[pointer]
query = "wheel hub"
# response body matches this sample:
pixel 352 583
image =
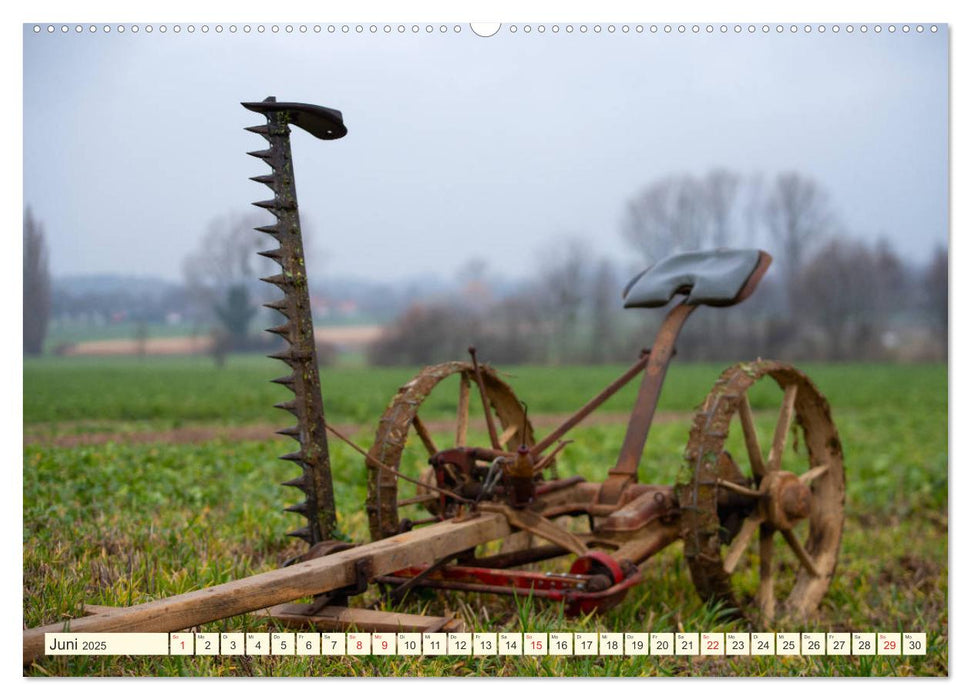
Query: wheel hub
pixel 785 500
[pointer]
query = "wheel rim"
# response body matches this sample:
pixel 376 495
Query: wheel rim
pixel 793 501
pixel 402 433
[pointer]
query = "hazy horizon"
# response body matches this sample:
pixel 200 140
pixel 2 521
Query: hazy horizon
pixel 461 147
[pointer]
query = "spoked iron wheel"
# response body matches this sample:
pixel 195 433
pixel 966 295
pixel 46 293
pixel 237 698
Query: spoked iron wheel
pixel 762 513
pixel 405 440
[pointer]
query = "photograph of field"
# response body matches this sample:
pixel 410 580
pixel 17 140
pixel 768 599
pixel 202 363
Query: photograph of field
pixel 148 514
pixel 479 213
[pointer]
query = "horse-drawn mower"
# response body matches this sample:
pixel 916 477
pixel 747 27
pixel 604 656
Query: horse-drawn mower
pixel 495 518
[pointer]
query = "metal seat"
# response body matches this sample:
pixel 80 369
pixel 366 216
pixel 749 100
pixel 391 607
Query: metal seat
pixel 720 277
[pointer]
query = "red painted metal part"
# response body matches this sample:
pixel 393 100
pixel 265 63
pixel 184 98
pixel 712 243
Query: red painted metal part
pixel 593 570
pixel 589 563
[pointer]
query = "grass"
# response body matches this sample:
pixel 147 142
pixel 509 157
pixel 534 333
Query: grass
pixel 191 389
pixel 118 524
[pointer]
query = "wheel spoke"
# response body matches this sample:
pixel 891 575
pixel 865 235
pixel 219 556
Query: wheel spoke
pixel 507 436
pixel 486 408
pixel 801 552
pixel 418 499
pixel 744 536
pixel 426 438
pixel 751 437
pixel 782 428
pixel 462 419
pixel 813 474
pixel 405 422
pixel 738 488
pixel 766 594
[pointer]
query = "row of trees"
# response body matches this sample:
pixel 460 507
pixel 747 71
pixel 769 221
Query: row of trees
pixel 828 296
pixel 791 216
pixel 219 278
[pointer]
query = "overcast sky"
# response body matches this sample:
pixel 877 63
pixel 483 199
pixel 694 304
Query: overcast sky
pixel 461 146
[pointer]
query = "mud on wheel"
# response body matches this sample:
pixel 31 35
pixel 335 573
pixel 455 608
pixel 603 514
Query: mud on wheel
pixel 790 496
pixel 392 501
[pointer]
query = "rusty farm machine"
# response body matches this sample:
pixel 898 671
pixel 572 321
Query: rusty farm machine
pixel 430 523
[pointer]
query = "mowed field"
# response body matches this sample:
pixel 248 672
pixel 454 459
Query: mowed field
pixel 146 478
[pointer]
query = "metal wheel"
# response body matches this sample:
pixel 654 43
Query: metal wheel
pixel 405 440
pixel 791 496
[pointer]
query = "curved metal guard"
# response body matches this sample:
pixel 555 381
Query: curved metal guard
pixel 322 122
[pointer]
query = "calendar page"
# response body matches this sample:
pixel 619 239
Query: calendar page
pixel 603 348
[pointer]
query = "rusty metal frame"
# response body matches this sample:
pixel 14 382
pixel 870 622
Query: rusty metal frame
pixel 633 521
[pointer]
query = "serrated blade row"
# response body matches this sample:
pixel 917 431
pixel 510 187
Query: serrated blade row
pixel 300 352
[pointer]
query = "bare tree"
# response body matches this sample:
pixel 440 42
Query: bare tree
pixel 564 278
pixel 37 286
pixel 797 215
pixel 227 252
pixel 684 213
pixel 891 280
pixel 669 216
pixel 828 293
pixel 753 208
pixel 220 272
pixel 236 313
pixel 514 330
pixel 720 188
pixel 604 304
pixel 849 290
pixel 935 292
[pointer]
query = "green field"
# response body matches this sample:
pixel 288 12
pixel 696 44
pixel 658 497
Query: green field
pixel 120 523
pixel 166 392
pixel 65 332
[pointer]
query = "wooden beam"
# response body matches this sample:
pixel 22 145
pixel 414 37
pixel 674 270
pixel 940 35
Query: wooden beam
pixel 415 548
pixel 337 618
